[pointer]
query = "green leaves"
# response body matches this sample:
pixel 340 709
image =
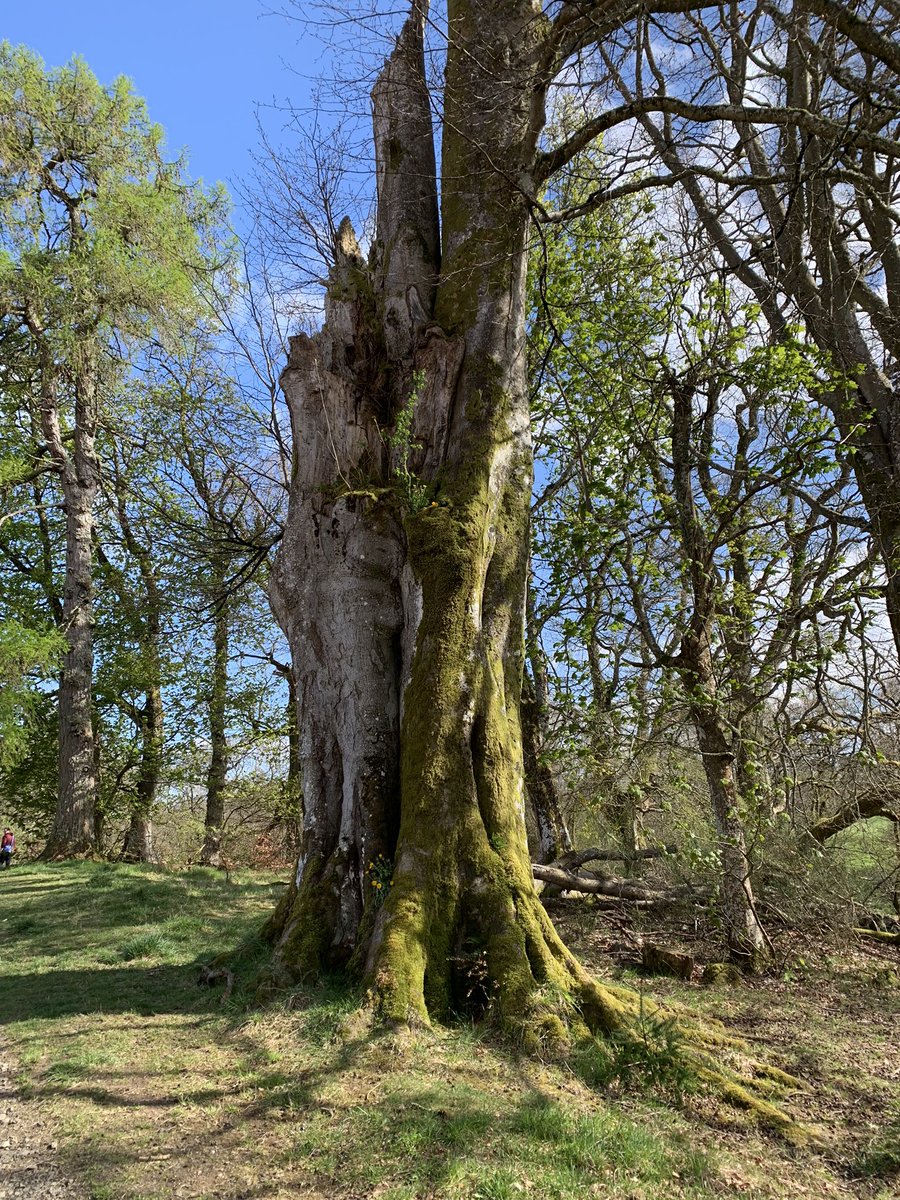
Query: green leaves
pixel 27 655
pixel 102 236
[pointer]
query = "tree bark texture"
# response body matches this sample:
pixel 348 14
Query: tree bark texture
pixel 73 829
pixel 400 581
pixel 139 839
pixel 553 840
pixel 743 930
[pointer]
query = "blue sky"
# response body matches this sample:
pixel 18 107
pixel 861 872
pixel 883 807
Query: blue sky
pixel 201 65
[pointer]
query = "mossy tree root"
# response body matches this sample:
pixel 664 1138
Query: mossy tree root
pixel 544 1000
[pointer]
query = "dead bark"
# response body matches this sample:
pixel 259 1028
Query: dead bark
pixel 604 885
pixel 401 577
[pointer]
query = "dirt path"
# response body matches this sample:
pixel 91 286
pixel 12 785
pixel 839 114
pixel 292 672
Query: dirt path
pixel 30 1167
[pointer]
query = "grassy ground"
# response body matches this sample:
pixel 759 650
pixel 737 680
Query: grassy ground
pixel 158 1090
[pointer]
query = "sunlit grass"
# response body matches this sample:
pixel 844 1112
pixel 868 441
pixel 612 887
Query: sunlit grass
pixel 136 1065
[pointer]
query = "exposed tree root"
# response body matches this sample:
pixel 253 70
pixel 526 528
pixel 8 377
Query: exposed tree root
pixel 545 1000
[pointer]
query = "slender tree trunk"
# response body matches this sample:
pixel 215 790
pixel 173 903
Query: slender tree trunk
pixel 139 839
pixel 744 934
pixel 73 829
pixel 143 609
pixel 632 813
pixel 746 940
pixel 553 840
pixel 210 854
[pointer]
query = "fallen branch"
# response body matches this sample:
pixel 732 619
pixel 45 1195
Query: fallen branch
pixel 577 858
pixel 606 885
pixel 872 804
pixel 879 935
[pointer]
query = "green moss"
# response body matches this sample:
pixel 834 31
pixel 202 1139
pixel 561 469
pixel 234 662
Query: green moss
pixel 308 928
pixel 763 1111
pixel 721 973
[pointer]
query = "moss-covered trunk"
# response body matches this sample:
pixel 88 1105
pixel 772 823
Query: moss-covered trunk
pixel 401 579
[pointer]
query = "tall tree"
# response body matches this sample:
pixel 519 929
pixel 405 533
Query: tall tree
pixel 781 122
pixel 102 241
pixel 400 581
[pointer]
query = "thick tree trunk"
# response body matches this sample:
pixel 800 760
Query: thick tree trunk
pixel 400 581
pixel 73 829
pixel 210 853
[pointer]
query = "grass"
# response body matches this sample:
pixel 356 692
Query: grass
pixel 136 1067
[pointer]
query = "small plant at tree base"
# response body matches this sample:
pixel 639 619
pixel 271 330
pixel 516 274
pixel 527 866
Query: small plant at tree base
pixel 380 873
pixel 413 491
pixel 652 1053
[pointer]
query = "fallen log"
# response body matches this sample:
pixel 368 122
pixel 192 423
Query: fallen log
pixel 879 935
pixel 606 885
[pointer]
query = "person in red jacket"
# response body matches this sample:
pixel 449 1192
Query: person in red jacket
pixel 7 847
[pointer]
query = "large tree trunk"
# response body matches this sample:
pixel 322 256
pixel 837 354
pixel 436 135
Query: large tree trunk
pixel 73 829
pixel 400 581
pixel 210 853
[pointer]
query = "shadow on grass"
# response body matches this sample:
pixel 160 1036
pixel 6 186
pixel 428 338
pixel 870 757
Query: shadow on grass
pixel 351 1124
pixel 338 1111
pixel 146 990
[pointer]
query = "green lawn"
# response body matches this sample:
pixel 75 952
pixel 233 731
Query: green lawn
pixel 158 1090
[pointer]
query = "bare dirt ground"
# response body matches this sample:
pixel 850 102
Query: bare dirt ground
pixel 29 1166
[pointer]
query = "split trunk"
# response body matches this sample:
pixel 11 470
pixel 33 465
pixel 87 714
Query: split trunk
pixel 400 581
